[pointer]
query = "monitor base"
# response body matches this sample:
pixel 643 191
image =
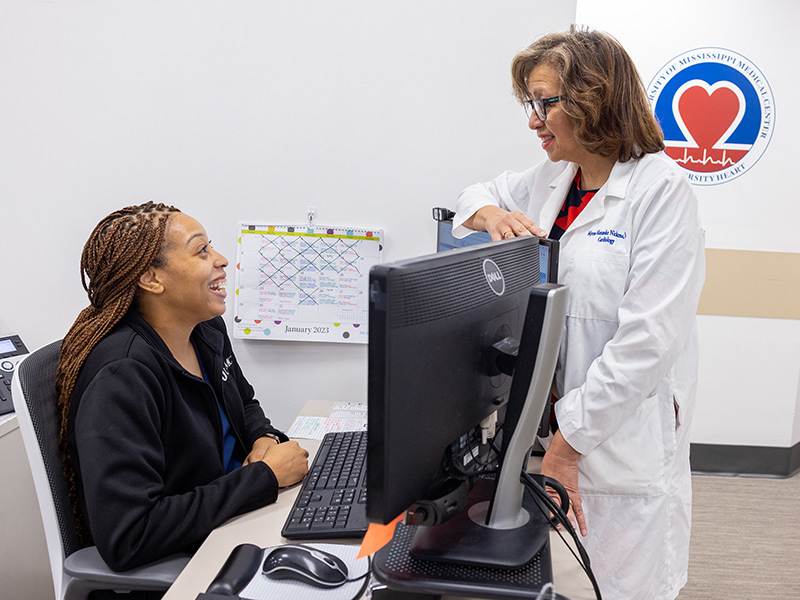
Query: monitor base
pixel 394 567
pixel 463 541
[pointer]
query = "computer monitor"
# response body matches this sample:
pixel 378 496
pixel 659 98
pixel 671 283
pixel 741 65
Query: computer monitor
pixel 445 240
pixel 446 333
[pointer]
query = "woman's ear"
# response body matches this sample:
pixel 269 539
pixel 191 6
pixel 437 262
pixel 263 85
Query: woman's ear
pixel 149 281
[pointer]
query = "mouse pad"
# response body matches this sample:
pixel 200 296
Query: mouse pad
pixel 262 587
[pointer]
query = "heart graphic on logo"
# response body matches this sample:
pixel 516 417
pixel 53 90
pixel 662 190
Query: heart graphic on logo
pixel 708 114
pixel 716 111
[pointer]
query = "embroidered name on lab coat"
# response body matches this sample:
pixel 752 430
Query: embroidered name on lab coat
pixel 607 236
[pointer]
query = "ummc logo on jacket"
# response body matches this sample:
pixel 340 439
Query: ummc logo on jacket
pixel 225 366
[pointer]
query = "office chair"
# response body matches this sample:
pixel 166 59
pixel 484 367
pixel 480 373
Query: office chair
pixel 76 570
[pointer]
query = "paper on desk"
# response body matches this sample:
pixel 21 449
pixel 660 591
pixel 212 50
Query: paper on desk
pixel 349 410
pixel 345 416
pixel 262 587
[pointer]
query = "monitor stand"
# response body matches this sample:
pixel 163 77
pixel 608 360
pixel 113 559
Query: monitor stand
pixel 502 525
pixel 464 540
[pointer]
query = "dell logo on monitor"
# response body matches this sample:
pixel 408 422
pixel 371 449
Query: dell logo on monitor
pixel 494 277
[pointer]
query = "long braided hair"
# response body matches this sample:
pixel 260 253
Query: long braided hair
pixel 120 249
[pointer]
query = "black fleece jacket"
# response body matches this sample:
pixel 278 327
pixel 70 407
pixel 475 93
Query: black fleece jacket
pixel 145 437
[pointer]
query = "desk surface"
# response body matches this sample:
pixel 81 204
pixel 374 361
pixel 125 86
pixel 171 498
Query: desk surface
pixel 262 527
pixel 8 423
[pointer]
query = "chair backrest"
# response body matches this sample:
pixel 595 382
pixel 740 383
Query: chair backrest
pixel 37 414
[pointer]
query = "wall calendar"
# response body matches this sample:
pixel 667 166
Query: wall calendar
pixel 304 282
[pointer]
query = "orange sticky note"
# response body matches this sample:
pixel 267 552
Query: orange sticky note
pixel 377 537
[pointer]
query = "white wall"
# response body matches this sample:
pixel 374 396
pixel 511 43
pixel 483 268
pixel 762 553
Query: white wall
pixel 749 387
pixel 373 112
pixel 748 382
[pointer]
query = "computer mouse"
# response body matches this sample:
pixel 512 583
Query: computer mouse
pixel 303 563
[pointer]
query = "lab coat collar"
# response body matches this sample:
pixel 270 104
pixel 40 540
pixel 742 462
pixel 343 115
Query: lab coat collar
pixel 559 187
pixel 615 187
pixel 621 173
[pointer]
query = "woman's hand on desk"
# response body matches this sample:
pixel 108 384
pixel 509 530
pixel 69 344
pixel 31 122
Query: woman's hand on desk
pixel 288 461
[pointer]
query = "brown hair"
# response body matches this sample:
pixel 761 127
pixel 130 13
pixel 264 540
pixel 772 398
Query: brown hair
pixel 603 92
pixel 119 250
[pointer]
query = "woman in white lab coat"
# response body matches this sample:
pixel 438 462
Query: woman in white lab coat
pixel 632 254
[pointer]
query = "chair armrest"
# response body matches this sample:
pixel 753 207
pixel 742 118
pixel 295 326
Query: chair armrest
pixel 87 564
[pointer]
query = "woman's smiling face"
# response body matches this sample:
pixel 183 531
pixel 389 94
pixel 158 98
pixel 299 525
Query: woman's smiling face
pixel 193 272
pixel 557 132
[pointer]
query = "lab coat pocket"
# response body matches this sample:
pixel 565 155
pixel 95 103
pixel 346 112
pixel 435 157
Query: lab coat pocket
pixel 600 278
pixel 631 461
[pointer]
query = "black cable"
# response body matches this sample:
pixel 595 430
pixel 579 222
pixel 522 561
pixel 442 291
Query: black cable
pixel 561 517
pixel 365 577
pixel 539 492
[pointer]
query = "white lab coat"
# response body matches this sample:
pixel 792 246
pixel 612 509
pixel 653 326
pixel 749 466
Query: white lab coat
pixel 634 263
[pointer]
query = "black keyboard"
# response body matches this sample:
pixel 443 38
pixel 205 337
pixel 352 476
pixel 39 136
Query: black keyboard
pixel 332 501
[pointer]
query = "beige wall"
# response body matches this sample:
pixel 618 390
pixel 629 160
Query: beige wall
pixel 742 283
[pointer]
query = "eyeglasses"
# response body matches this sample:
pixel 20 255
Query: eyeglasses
pixel 539 106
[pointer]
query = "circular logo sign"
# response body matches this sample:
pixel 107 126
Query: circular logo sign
pixel 716 111
pixel 494 277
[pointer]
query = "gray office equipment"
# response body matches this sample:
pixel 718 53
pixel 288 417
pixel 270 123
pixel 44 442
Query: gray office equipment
pixel 12 350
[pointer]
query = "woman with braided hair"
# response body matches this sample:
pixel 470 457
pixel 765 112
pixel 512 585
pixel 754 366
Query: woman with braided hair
pixel 161 435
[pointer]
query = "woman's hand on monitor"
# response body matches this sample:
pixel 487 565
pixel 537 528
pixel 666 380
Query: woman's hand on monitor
pixel 502 224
